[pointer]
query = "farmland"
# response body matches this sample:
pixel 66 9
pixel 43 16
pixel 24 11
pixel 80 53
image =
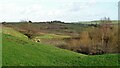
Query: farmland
pixel 58 44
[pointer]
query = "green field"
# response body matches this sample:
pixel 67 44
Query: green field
pixel 50 36
pixel 18 50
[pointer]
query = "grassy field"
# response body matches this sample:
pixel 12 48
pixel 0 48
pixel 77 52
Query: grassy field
pixel 50 36
pixel 18 50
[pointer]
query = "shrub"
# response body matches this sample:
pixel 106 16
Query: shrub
pixel 28 30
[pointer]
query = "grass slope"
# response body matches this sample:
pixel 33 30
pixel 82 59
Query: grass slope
pixel 23 52
pixel 11 31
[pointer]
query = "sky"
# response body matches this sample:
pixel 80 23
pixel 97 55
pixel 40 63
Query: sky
pixel 63 10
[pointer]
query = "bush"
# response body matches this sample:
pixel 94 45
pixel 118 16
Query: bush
pixel 28 30
pixel 95 41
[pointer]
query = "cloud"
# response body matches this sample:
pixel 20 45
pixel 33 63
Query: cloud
pixel 65 10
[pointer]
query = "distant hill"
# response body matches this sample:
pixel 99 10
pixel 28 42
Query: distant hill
pixel 95 22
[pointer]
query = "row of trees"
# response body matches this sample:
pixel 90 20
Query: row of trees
pixel 29 21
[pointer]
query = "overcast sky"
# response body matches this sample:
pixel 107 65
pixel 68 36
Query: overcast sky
pixel 63 10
